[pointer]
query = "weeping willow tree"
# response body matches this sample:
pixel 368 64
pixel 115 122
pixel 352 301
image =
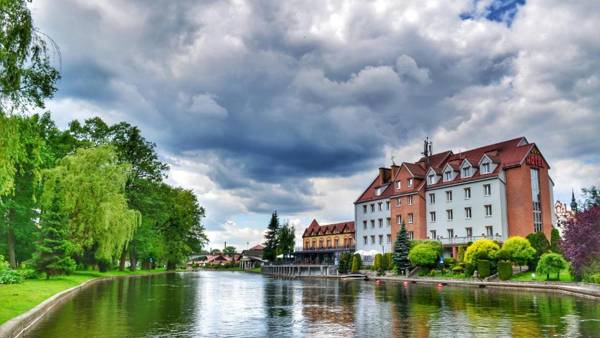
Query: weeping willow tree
pixel 89 186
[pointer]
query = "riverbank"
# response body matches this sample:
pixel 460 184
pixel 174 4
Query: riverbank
pixel 20 298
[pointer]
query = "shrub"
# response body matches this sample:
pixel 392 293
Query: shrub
pixel 29 273
pixel 356 263
pixel 424 271
pixel 517 250
pixel 8 276
pixel 469 270
pixel 3 264
pixel 541 245
pixel 461 253
pixel 458 270
pixel 345 263
pixel 551 263
pixel 484 268
pixel 592 278
pixel 449 262
pixel 504 270
pixel 424 254
pixel 388 261
pixel 432 273
pixel 481 249
pixel 377 262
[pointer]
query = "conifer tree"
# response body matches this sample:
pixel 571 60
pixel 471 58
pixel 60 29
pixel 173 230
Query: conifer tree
pixel 271 238
pixel 401 249
pixel 52 256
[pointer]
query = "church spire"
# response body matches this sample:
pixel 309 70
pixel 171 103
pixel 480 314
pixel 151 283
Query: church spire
pixel 573 202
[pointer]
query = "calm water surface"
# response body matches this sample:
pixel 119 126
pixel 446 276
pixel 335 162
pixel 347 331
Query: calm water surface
pixel 232 304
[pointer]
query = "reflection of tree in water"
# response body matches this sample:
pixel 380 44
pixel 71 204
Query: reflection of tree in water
pixel 330 301
pixel 279 297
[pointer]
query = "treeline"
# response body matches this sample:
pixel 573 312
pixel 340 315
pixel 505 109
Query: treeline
pixel 92 195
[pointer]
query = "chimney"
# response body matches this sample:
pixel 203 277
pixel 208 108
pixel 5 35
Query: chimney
pixel 384 175
pixel 395 169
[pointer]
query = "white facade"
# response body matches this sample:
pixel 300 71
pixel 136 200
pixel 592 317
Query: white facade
pixel 468 216
pixel 373 226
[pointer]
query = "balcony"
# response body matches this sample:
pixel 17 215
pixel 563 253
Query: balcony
pixel 466 239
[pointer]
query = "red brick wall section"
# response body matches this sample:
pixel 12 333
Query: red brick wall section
pixel 518 200
pixel 546 202
pixel 419 226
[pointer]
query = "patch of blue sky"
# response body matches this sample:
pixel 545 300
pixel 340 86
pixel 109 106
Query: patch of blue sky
pixel 496 10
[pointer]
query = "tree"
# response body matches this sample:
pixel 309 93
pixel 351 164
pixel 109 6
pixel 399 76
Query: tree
pixel 551 263
pixel 271 241
pixel 377 262
pixel 481 249
pixel 517 250
pixel 53 250
pixel 541 245
pixel 581 240
pixel 215 252
pixel 401 250
pixel 89 188
pixel 424 255
pixel 555 241
pixel 27 77
pixel 229 251
pixel 356 263
pixel 345 263
pixel 286 239
pixel 591 197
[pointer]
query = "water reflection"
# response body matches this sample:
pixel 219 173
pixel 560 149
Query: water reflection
pixel 225 304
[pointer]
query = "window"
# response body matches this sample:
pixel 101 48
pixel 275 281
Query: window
pixel 450 215
pixel 320 243
pixel 388 221
pixel 387 205
pixel 372 239
pixel 466 171
pixel 378 191
pixel 329 243
pixel 365 225
pixel 488 210
pixel 432 216
pixel 411 235
pixel 448 175
pixel 536 198
pixel 336 242
pixel 399 185
pixel 398 202
pixel 449 196
pixel 380 221
pixel 487 189
pixel 398 219
pixel 450 233
pixel 314 244
pixel 485 168
pixel 365 209
pixel 410 218
pixel 365 240
pixel 379 205
pixel 410 182
pixel 431 198
pixel 389 238
pixel 372 207
pixel 380 239
pixel 433 234
pixel 469 231
pixel 467 193
pixel 431 179
pixel 468 213
pixel 489 231
pixel 410 200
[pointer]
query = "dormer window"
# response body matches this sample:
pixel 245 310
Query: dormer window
pixel 378 191
pixel 448 175
pixel 431 179
pixel 399 185
pixel 466 171
pixel 410 182
pixel 485 168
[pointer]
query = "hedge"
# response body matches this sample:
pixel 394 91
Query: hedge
pixel 484 268
pixel 469 270
pixel 504 270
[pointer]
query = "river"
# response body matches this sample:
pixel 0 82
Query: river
pixel 235 304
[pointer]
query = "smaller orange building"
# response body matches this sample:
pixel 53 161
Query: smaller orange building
pixel 328 236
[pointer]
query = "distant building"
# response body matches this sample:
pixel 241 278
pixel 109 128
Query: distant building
pixel 324 243
pixel 252 258
pixel 494 192
pixel 564 214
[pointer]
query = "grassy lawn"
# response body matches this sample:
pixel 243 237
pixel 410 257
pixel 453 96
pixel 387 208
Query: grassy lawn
pixel 18 298
pixel 565 276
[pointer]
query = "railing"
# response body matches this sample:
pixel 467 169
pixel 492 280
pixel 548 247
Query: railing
pixel 330 247
pixel 467 239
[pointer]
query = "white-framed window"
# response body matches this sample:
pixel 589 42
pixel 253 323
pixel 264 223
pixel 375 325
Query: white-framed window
pixel 373 207
pixel 450 233
pixel 378 191
pixel 448 175
pixel 365 225
pixel 433 234
pixel 467 193
pixel 398 201
pixel 469 231
pixel 372 239
pixel 389 238
pixel 364 209
pixel 449 196
pixel 410 182
pixel 388 221
pixel 398 185
pixel 431 179
pixel 488 210
pixel 365 240
pixel 411 235
pixel 487 189
pixel 410 200
pixel 387 205
pixel 466 171
pixel 380 221
pixel 380 239
pixel 410 218
pixel 468 213
pixel 432 198
pixel 379 205
pixel 372 224
pixel 450 214
pixel 485 168
pixel 432 216
pixel 398 219
pixel 489 231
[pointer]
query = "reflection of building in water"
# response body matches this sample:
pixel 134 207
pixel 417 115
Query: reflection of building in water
pixel 330 301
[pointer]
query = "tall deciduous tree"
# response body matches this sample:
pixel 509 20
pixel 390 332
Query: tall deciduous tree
pixel 401 250
pixel 591 197
pixel 89 188
pixel 516 249
pixel 541 245
pixel 286 240
pixel 581 239
pixel 271 240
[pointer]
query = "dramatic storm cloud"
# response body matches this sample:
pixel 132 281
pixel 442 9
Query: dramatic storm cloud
pixel 292 105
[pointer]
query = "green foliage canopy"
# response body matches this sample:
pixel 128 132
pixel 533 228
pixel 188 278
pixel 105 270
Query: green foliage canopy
pixel 481 249
pixel 424 254
pixel 516 249
pixel 551 263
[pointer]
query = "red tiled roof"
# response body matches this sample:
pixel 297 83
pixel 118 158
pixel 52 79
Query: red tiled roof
pixel 257 247
pixel 314 229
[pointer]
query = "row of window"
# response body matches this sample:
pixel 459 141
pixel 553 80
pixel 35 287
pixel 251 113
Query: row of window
pixel 409 183
pixel 466 172
pixel 468 213
pixel 489 232
pixel 487 191
pixel 388 222
pixel 327 243
pixel 380 237
pixel 379 206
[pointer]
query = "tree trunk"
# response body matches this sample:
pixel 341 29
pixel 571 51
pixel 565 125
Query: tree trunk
pixel 171 266
pixel 102 266
pixel 132 259
pixel 12 258
pixel 123 260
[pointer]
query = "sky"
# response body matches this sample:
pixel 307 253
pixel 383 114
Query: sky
pixel 293 105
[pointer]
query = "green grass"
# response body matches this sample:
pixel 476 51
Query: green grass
pixel 19 298
pixel 565 276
